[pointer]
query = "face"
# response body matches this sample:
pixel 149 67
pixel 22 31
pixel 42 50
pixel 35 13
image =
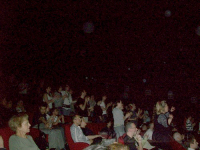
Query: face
pixel 25 127
pixel 134 107
pixel 48 89
pixel 43 110
pixel 104 97
pixel 195 144
pixel 67 88
pixel 120 105
pixel 166 108
pixel 84 93
pixel 77 120
pixel 60 88
pixel 133 129
pixel 55 112
pixel 83 123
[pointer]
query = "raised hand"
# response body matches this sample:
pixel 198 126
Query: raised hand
pixel 172 109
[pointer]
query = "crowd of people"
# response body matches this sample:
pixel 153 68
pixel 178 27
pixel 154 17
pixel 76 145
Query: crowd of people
pixel 127 122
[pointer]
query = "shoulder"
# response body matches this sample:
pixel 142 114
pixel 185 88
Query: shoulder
pixel 13 139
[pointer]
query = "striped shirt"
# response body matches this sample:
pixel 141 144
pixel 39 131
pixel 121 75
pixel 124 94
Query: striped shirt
pixel 189 126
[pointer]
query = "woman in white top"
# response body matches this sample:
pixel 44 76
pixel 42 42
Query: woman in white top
pixel 47 97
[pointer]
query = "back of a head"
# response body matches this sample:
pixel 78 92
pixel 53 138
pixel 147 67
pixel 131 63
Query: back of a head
pixel 160 105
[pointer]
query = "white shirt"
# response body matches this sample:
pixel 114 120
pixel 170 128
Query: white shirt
pixel 191 149
pixel 67 100
pixel 149 134
pixel 104 106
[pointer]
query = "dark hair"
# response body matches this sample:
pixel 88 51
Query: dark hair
pixel 43 104
pixel 118 101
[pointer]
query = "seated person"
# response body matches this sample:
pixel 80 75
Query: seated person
pixel 131 138
pixel 56 121
pixel 77 133
pixel 192 143
pixel 88 132
pixel 98 112
pixel 20 141
pixel 179 138
pixel 2 144
pixel 108 132
pixel 20 107
pixel 40 121
pixel 189 123
pixel 149 132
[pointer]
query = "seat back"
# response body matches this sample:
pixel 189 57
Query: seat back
pixel 6 132
pixel 68 136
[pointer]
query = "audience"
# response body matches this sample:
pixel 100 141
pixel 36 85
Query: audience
pixel 61 102
pixel 20 141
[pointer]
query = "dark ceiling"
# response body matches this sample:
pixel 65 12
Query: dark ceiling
pixel 131 40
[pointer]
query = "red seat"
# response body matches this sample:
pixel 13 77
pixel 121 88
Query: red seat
pixel 72 145
pixel 96 127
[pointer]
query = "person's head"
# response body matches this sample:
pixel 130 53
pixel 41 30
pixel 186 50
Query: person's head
pixel 54 111
pixel 92 97
pixel 144 127
pixel 151 126
pixel 132 107
pixel 161 107
pixel 99 102
pixel 67 88
pixel 43 108
pixel 177 137
pixel 20 123
pixel 118 146
pixel 48 89
pixel 83 123
pixel 131 128
pixel 20 103
pixel 109 123
pixel 119 104
pixel 76 120
pixel 59 88
pixel 87 98
pixel 192 142
pixel 104 97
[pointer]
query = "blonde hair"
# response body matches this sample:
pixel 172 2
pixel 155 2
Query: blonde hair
pixel 160 107
pixel 118 146
pixel 16 121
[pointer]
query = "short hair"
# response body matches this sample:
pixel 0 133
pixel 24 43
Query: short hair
pixel 160 106
pixel 96 147
pixel 74 117
pixel 175 135
pixel 118 101
pixel 118 146
pixel 42 104
pixel 17 120
pixel 128 126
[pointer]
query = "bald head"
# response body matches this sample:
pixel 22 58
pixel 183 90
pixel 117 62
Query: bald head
pixel 177 137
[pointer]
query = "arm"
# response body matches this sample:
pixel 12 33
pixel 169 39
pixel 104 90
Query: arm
pixel 91 137
pixel 1 142
pixel 139 140
pixel 127 115
pixel 46 99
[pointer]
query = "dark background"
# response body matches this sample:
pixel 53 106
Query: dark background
pixel 45 40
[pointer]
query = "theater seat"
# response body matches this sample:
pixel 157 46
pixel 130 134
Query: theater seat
pixel 72 145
